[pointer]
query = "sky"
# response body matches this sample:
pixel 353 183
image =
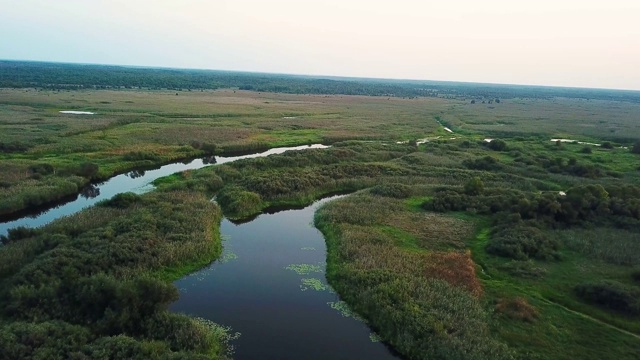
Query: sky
pixel 579 43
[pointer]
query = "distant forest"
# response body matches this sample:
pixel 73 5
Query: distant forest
pixel 59 76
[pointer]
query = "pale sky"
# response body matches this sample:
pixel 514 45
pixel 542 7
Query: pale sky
pixel 584 43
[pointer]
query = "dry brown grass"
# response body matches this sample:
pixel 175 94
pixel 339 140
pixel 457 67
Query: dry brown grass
pixel 456 268
pixel 517 308
pixel 367 244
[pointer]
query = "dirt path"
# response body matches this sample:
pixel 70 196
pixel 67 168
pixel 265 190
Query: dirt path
pixel 585 316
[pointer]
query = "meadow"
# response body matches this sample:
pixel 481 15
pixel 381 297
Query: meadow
pixel 449 246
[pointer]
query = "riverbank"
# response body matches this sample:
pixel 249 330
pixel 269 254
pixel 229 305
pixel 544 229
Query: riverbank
pixel 102 277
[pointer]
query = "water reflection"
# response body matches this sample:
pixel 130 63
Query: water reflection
pixel 136 174
pixel 89 192
pixel 209 160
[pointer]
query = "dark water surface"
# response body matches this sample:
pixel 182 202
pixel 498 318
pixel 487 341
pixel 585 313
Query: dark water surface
pixel 252 291
pixel 135 181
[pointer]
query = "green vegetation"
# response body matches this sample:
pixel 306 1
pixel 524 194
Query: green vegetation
pixel 304 269
pixel 451 247
pixel 313 284
pixel 101 278
pixel 23 74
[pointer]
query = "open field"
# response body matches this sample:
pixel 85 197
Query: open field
pixel 133 129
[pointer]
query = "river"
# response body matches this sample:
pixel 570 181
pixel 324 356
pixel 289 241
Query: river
pixel 269 284
pixel 135 181
pixel 270 287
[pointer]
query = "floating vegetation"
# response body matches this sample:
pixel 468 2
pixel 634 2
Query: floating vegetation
pixel 314 284
pixel 344 310
pixel 374 337
pixel 308 249
pixel 228 256
pixel 305 269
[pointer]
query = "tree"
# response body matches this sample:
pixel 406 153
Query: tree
pixel 474 186
pixel 497 145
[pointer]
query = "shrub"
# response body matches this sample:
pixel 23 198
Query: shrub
pixel 485 163
pixel 474 186
pixel 517 308
pixel 87 170
pixel 399 191
pixel 122 201
pixel 238 203
pixel 522 242
pixel 41 169
pixel 141 156
pixel 497 145
pixel 19 233
pixel 612 295
pixel 586 150
pixel 636 148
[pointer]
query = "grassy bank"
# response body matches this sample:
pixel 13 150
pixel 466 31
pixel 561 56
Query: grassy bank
pixel 426 303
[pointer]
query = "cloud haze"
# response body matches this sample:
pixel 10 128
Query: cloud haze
pixel 567 43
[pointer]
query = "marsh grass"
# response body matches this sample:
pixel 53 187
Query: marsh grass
pixel 372 271
pixel 615 246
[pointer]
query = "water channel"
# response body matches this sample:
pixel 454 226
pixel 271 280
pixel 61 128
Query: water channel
pixel 270 287
pixel 269 284
pixel 135 181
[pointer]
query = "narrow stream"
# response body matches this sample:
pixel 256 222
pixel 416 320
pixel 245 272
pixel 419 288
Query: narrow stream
pixel 270 287
pixel 135 181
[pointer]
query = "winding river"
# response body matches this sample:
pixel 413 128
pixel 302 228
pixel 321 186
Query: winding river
pixel 135 181
pixel 269 284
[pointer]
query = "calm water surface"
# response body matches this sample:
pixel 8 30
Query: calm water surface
pixel 252 291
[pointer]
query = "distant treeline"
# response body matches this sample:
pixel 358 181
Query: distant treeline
pixel 24 74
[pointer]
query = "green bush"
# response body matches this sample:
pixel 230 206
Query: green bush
pixel 474 186
pixel 487 163
pixel 399 191
pixel 612 295
pixel 522 243
pixel 238 203
pixel 121 201
pixel 19 233
pixel 497 145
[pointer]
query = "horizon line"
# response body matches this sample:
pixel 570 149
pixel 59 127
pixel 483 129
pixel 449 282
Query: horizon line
pixel 346 77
